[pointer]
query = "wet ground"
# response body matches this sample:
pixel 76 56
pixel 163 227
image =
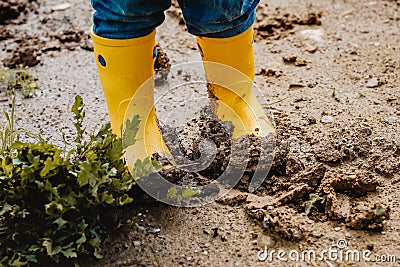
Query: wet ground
pixel 329 72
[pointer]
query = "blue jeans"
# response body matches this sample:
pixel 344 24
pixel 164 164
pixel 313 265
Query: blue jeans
pixel 124 19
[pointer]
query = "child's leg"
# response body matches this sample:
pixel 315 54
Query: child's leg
pixel 124 40
pixel 124 19
pixel 225 38
pixel 218 18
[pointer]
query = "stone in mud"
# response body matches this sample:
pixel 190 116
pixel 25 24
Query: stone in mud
pixel 327 119
pixel 364 217
pixel 372 83
pixel 354 185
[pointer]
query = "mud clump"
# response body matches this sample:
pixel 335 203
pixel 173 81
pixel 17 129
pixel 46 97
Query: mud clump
pixel 339 197
pixel 342 193
pixel 354 185
pixel 25 55
pixel 69 36
pixel 281 25
pixel 270 73
pixel 234 201
pixel 4 33
pixel 15 11
pixel 162 65
pixel 161 61
pixel 286 222
pixel 364 217
pixel 329 154
pixel 386 163
pixel 204 151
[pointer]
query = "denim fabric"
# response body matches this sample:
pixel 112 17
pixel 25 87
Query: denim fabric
pixel 124 19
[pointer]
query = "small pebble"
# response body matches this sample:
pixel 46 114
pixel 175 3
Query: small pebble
pixel 205 231
pixel 215 231
pixel 391 119
pixel 136 243
pixel 366 130
pixel 337 229
pixel 317 234
pixel 264 240
pixel 154 231
pixel 348 235
pixel 207 245
pixel 372 83
pixel 205 252
pixel 327 119
pixel 265 224
pixel 61 7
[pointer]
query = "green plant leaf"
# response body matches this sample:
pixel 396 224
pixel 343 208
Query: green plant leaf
pixel 130 131
pixel 172 193
pixel 189 192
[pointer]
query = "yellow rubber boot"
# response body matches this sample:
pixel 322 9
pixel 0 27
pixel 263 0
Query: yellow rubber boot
pixel 229 68
pixel 125 66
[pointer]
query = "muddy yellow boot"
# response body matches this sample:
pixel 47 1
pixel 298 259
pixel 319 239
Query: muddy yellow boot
pixel 229 68
pixel 126 71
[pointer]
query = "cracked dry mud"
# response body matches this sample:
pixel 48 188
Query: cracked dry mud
pixel 329 72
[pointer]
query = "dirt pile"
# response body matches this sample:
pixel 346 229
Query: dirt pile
pixel 51 34
pixel 295 194
pixel 280 25
pixel 15 11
